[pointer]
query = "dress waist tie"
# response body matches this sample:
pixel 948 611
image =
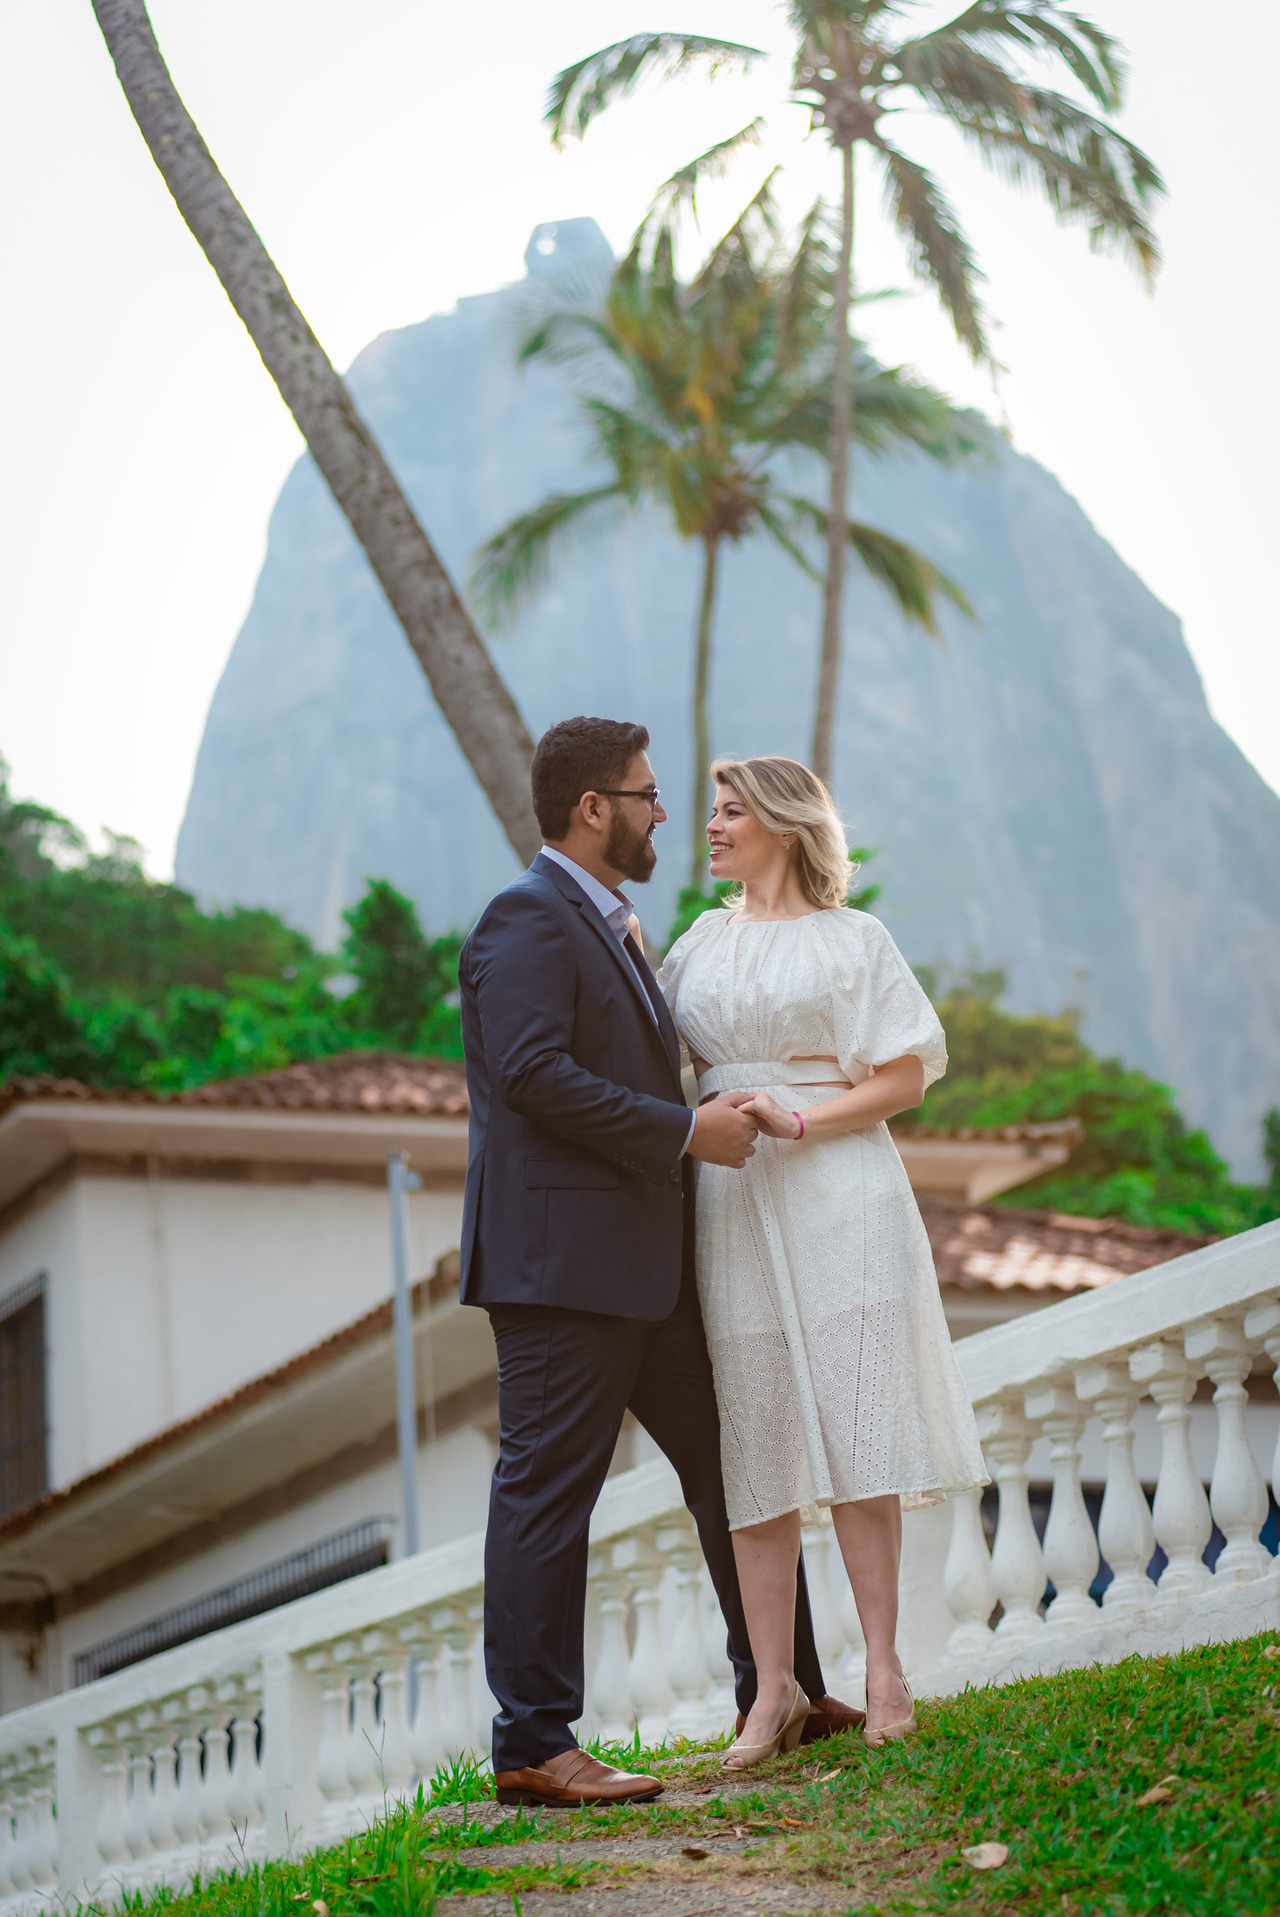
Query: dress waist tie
pixel 757 1074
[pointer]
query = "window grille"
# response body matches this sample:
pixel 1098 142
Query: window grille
pixel 23 1452
pixel 345 1555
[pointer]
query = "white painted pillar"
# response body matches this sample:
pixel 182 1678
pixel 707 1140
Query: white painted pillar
pixel 1125 1530
pixel 1181 1516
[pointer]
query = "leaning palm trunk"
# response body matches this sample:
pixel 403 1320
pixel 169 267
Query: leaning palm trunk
pixel 824 715
pixel 462 677
pixel 701 714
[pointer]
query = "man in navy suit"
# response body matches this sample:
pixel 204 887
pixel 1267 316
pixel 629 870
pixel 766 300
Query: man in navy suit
pixel 577 1240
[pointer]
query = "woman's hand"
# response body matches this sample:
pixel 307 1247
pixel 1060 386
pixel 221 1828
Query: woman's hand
pixel 771 1118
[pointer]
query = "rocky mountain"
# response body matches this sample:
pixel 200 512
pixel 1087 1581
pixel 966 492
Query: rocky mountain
pixel 1048 792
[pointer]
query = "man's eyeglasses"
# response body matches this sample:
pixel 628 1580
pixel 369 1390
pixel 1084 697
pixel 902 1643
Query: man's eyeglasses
pixel 650 793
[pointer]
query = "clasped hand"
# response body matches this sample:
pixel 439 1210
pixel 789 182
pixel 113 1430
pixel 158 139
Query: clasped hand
pixel 726 1127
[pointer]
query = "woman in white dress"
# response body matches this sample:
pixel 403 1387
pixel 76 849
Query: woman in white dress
pixel 834 1371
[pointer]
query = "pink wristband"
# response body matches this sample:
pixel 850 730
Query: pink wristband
pixel 800 1123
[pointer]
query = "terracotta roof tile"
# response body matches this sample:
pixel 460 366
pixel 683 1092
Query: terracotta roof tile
pixel 379 1083
pixel 979 1245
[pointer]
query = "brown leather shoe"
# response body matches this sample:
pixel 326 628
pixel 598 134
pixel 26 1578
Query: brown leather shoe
pixel 573 1778
pixel 827 1718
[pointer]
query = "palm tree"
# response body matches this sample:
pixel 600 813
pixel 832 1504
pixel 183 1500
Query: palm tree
pixel 692 394
pixel 855 68
pixel 462 677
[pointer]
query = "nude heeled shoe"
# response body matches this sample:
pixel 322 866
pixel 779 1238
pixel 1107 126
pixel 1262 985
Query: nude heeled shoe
pixel 744 1757
pixel 890 1733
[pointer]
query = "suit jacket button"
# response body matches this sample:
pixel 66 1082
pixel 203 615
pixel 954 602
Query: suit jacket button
pixel 674 1174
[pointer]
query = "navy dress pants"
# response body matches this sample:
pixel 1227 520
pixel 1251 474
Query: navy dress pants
pixel 565 1379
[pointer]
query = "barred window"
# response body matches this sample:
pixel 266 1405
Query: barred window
pixel 23 1468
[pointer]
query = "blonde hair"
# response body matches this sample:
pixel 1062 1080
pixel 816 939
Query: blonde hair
pixel 786 797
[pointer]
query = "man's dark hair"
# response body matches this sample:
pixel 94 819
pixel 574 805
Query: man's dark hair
pixel 577 756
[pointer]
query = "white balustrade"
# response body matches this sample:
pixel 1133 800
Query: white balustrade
pixel 968 1582
pixel 687 1670
pixel 1183 1523
pixel 1126 1533
pixel 1070 1546
pixel 297 1727
pixel 1237 1493
pixel 1017 1560
pixel 1262 1328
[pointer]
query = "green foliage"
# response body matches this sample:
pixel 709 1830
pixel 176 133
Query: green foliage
pixel 404 979
pixel 858 71
pixel 690 392
pixel 1057 1768
pixel 116 979
pixel 1139 1160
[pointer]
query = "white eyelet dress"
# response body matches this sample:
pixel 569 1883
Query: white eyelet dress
pixel 833 1363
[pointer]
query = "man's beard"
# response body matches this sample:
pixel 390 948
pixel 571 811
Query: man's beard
pixel 629 850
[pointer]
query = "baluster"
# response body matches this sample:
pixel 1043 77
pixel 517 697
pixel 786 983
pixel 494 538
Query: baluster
pixel 1237 1493
pixel 42 1861
pixel 426 1747
pixel 687 1666
pixel 1017 1562
pixel 211 1797
pixel 240 1789
pixel 395 1767
pixel 363 1754
pixel 1262 1326
pixel 650 1691
pixel 722 1705
pixel 335 1727
pixel 19 1856
pixel 483 1703
pixel 457 1704
pixel 817 1542
pixel 113 1793
pixel 7 1885
pixel 1181 1514
pixel 1070 1546
pixel 1125 1531
pixel 137 1830
pixel 254 1685
pixel 187 1785
pixel 968 1581
pixel 164 1777
pixel 609 1697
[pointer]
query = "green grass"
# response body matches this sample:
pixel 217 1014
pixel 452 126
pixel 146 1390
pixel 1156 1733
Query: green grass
pixel 1052 1767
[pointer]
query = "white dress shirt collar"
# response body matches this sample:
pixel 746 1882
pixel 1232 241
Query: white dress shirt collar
pixel 614 907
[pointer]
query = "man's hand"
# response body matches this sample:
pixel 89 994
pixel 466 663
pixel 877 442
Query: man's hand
pixel 723 1135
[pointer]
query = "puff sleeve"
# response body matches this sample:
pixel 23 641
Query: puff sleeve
pixel 879 1009
pixel 682 951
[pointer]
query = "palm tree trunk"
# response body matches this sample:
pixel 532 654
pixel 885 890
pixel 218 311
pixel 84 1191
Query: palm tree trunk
pixel 463 679
pixel 701 716
pixel 837 508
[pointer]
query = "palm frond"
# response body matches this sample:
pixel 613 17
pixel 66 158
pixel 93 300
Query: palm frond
pixel 937 245
pixel 1089 173
pixel 581 91
pixel 510 567
pixel 778 529
pixel 1035 27
pixel 681 190
pixel 913 582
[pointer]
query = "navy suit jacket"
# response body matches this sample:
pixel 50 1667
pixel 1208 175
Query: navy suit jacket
pixel 575 1181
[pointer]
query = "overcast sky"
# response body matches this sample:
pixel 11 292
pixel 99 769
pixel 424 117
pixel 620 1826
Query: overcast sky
pixel 391 154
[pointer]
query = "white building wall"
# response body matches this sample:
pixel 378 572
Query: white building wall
pixel 453 1480
pixel 167 1294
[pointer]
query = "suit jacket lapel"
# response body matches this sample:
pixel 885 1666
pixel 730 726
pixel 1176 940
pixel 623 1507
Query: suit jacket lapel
pixel 666 1024
pixel 646 994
